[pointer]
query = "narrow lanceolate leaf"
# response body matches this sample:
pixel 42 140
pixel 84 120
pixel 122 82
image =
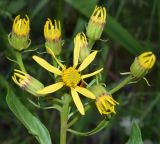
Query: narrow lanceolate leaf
pixel 34 126
pixel 112 27
pixel 97 129
pixel 135 136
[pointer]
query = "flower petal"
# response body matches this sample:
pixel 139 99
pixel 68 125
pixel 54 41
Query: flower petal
pixel 46 65
pixel 77 101
pixel 91 74
pixel 85 92
pixel 87 60
pixel 53 55
pixel 76 50
pixel 51 88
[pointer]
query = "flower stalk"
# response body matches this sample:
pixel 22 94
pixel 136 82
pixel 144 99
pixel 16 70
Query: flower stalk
pixel 121 84
pixel 64 119
pixel 20 61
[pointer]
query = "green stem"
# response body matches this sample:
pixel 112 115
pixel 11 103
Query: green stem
pixel 64 119
pixel 20 61
pixel 90 44
pixel 76 117
pixel 121 84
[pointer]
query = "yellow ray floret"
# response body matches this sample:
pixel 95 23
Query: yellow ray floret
pixel 71 76
pixel 52 31
pixel 99 15
pixel 147 60
pixel 21 26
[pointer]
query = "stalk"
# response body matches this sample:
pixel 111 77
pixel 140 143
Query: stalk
pixel 20 61
pixel 64 119
pixel 121 84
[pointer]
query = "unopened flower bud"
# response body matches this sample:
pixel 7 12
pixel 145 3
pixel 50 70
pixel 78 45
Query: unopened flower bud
pixel 96 23
pixel 27 82
pixel 19 37
pixel 81 41
pixel 104 101
pixel 142 64
pixel 52 34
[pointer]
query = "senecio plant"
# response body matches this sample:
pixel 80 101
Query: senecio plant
pixel 69 82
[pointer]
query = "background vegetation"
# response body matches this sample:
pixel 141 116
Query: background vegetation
pixel 133 26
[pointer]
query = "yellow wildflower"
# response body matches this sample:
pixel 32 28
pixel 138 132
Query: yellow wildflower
pixel 19 37
pixel 71 76
pixel 27 82
pixel 104 101
pixel 142 64
pixel 21 26
pixel 52 32
pixel 96 23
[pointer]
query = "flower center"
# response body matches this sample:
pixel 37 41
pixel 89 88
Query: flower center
pixel 71 77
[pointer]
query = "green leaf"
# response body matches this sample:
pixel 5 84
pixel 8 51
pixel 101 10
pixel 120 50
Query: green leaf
pixel 112 28
pixel 34 126
pixel 98 128
pixel 135 137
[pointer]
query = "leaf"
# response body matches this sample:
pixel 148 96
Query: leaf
pixel 98 128
pixel 112 28
pixel 34 126
pixel 135 137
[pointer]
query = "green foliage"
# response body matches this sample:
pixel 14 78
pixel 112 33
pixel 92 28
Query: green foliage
pixel 135 136
pixel 33 124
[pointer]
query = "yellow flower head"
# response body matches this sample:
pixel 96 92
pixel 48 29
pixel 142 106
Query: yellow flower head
pixel 84 49
pixel 99 15
pixel 21 26
pixel 52 32
pixel 27 82
pixel 105 104
pixel 71 76
pixel 142 64
pixel 96 23
pixel 147 60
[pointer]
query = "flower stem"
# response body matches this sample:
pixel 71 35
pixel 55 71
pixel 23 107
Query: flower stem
pixel 90 44
pixel 64 119
pixel 121 84
pixel 20 61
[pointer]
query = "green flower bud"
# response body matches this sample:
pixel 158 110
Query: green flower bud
pixel 19 37
pixel 104 101
pixel 27 82
pixel 142 64
pixel 52 34
pixel 96 23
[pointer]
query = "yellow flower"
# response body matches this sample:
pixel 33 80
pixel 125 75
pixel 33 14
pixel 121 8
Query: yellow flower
pixel 96 23
pixel 84 49
pixel 104 101
pixel 19 37
pixel 99 15
pixel 142 64
pixel 71 76
pixel 27 82
pixel 105 104
pixel 21 26
pixel 52 32
pixel 147 60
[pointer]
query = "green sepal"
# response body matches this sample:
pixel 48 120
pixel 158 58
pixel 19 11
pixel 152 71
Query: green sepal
pixel 94 30
pixel 56 46
pixel 97 129
pixel 137 70
pixel 19 43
